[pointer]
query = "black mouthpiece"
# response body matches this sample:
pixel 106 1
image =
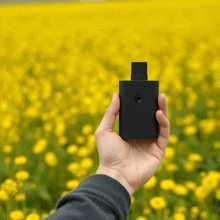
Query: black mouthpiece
pixel 139 71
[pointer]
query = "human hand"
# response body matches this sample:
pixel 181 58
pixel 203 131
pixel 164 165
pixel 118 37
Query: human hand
pixel 131 162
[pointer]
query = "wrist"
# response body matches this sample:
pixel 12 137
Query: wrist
pixel 117 176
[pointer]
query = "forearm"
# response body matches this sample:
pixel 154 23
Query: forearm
pixel 117 176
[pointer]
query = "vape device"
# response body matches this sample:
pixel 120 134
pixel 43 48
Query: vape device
pixel 138 105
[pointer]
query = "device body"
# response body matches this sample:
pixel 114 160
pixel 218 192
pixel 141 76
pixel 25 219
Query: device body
pixel 138 106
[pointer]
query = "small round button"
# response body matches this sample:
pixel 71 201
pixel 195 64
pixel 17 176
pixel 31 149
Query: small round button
pixel 138 98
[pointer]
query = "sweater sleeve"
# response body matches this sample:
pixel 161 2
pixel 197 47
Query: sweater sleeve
pixel 97 197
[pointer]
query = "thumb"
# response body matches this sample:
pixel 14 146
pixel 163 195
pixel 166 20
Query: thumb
pixel 108 120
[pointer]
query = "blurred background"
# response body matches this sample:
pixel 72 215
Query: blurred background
pixel 61 62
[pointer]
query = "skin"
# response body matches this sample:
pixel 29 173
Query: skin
pixel 132 163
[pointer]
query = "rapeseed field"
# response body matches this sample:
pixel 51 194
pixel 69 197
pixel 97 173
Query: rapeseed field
pixel 59 67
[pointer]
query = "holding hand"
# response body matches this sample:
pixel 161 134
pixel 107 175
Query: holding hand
pixel 131 162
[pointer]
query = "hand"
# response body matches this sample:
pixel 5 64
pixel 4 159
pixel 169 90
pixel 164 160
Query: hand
pixel 132 162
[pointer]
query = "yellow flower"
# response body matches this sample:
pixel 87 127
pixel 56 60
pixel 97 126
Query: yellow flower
pixel 62 140
pixel 132 199
pixel 171 167
pixel 60 128
pixel 40 146
pixel 173 139
pixel 141 218
pixel 22 175
pixel 80 139
pixel 194 212
pixel 20 197
pixel 180 190
pixel 211 103
pixel 72 184
pixel 195 157
pixel 158 203
pixel 33 216
pixel 64 193
pixel 190 185
pixel 169 153
pixel 201 193
pixel 189 166
pixel 146 211
pixel 72 149
pixel 204 214
pixel 48 127
pixel 217 194
pixel 83 152
pixel 208 125
pixel 73 167
pixel 17 215
pixel 10 187
pixel 87 129
pixel 190 130
pixel 86 163
pixel 7 149
pixel 216 145
pixel 3 195
pixel 51 159
pixel 211 181
pixel 179 216
pixel 150 183
pixel 181 209
pixel 167 184
pixel 20 160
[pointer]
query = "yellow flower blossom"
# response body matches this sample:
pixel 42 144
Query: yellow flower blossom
pixel 7 149
pixel 141 218
pixel 32 216
pixel 72 184
pixel 3 195
pixel 216 145
pixel 217 194
pixel 22 175
pixel 73 167
pixel 20 160
pixel 173 139
pixel 150 183
pixel 87 129
pixel 83 152
pixel 190 130
pixel 10 187
pixel 204 214
pixel 17 215
pixel 20 197
pixel 171 167
pixel 158 203
pixel 190 185
pixel 80 139
pixel 72 149
pixel 195 157
pixel 189 166
pixel 146 211
pixel 180 190
pixel 167 184
pixel 60 128
pixel 87 163
pixel 40 146
pixel 169 153
pixel 179 216
pixel 51 159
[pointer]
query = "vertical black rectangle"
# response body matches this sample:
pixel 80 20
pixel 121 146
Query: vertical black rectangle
pixel 138 106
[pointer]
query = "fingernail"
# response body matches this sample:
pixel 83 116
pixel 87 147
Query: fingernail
pixel 114 96
pixel 164 95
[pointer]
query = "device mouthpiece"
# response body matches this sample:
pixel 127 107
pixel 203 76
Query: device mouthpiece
pixel 139 71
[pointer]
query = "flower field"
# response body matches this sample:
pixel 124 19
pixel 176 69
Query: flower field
pixel 61 63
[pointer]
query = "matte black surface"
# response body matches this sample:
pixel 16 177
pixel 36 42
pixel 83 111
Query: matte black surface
pixel 138 106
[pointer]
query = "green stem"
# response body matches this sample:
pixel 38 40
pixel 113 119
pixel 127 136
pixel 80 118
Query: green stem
pixel 8 208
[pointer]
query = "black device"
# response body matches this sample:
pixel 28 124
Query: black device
pixel 138 105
